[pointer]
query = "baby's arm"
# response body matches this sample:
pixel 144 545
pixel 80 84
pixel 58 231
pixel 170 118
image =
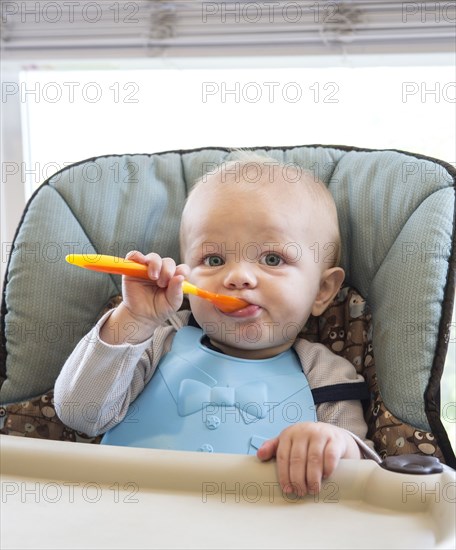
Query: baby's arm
pixel 110 366
pixel 98 381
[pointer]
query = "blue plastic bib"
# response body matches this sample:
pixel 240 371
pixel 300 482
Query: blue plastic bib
pixel 202 400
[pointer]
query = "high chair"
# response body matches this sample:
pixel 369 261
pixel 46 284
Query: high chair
pixel 391 319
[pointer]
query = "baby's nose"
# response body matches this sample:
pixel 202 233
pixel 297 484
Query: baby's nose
pixel 239 276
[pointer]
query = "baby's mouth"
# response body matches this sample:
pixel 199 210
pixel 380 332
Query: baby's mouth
pixel 249 311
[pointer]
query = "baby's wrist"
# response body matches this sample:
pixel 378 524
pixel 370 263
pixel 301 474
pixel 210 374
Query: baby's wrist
pixel 133 317
pixel 125 327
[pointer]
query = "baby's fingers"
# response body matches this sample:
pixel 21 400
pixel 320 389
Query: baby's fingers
pixel 315 464
pixel 159 269
pixel 283 454
pixel 297 465
pixel 268 449
pixel 154 265
pixel 136 256
pixel 332 457
pixel 174 294
pixel 152 260
pixel 167 271
pixel 184 270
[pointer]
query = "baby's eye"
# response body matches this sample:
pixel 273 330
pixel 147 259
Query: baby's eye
pixel 213 261
pixel 271 259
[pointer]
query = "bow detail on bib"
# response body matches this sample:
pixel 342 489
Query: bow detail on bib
pixel 249 398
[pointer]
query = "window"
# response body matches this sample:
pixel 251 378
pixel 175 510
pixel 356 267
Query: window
pixel 70 115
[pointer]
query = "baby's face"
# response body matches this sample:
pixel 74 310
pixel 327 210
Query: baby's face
pixel 260 245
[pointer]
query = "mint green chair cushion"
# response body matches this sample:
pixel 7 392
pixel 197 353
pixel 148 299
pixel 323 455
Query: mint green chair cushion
pixel 396 211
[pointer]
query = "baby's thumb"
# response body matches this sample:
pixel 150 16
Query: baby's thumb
pixel 174 292
pixel 268 449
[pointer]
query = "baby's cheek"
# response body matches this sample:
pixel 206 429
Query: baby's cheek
pixel 212 322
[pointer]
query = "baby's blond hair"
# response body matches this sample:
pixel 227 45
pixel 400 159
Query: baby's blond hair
pixel 255 170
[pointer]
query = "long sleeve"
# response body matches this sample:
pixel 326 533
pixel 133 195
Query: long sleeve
pixel 324 368
pixel 99 381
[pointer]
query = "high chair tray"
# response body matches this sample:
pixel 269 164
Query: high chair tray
pixel 72 495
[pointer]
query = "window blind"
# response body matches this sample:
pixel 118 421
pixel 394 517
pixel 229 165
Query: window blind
pixel 31 29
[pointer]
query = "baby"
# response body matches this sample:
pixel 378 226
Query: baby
pixel 237 382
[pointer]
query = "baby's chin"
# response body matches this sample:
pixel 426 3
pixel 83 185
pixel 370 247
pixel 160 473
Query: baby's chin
pixel 246 349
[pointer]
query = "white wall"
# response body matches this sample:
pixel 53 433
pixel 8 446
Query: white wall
pixel 12 190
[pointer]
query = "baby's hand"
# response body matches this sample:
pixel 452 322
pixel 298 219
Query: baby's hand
pixel 154 300
pixel 307 452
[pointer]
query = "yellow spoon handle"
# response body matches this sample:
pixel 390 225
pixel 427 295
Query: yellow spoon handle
pixel 108 264
pixel 188 288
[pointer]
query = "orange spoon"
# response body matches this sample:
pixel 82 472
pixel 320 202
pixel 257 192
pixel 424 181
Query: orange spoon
pixel 120 266
pixel 227 304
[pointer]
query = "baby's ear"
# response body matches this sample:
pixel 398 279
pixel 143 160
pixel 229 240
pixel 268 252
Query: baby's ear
pixel 330 283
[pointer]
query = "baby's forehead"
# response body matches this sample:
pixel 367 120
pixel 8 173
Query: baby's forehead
pixel 275 185
pixel 214 202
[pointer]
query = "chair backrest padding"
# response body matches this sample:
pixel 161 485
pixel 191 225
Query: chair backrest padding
pixel 396 215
